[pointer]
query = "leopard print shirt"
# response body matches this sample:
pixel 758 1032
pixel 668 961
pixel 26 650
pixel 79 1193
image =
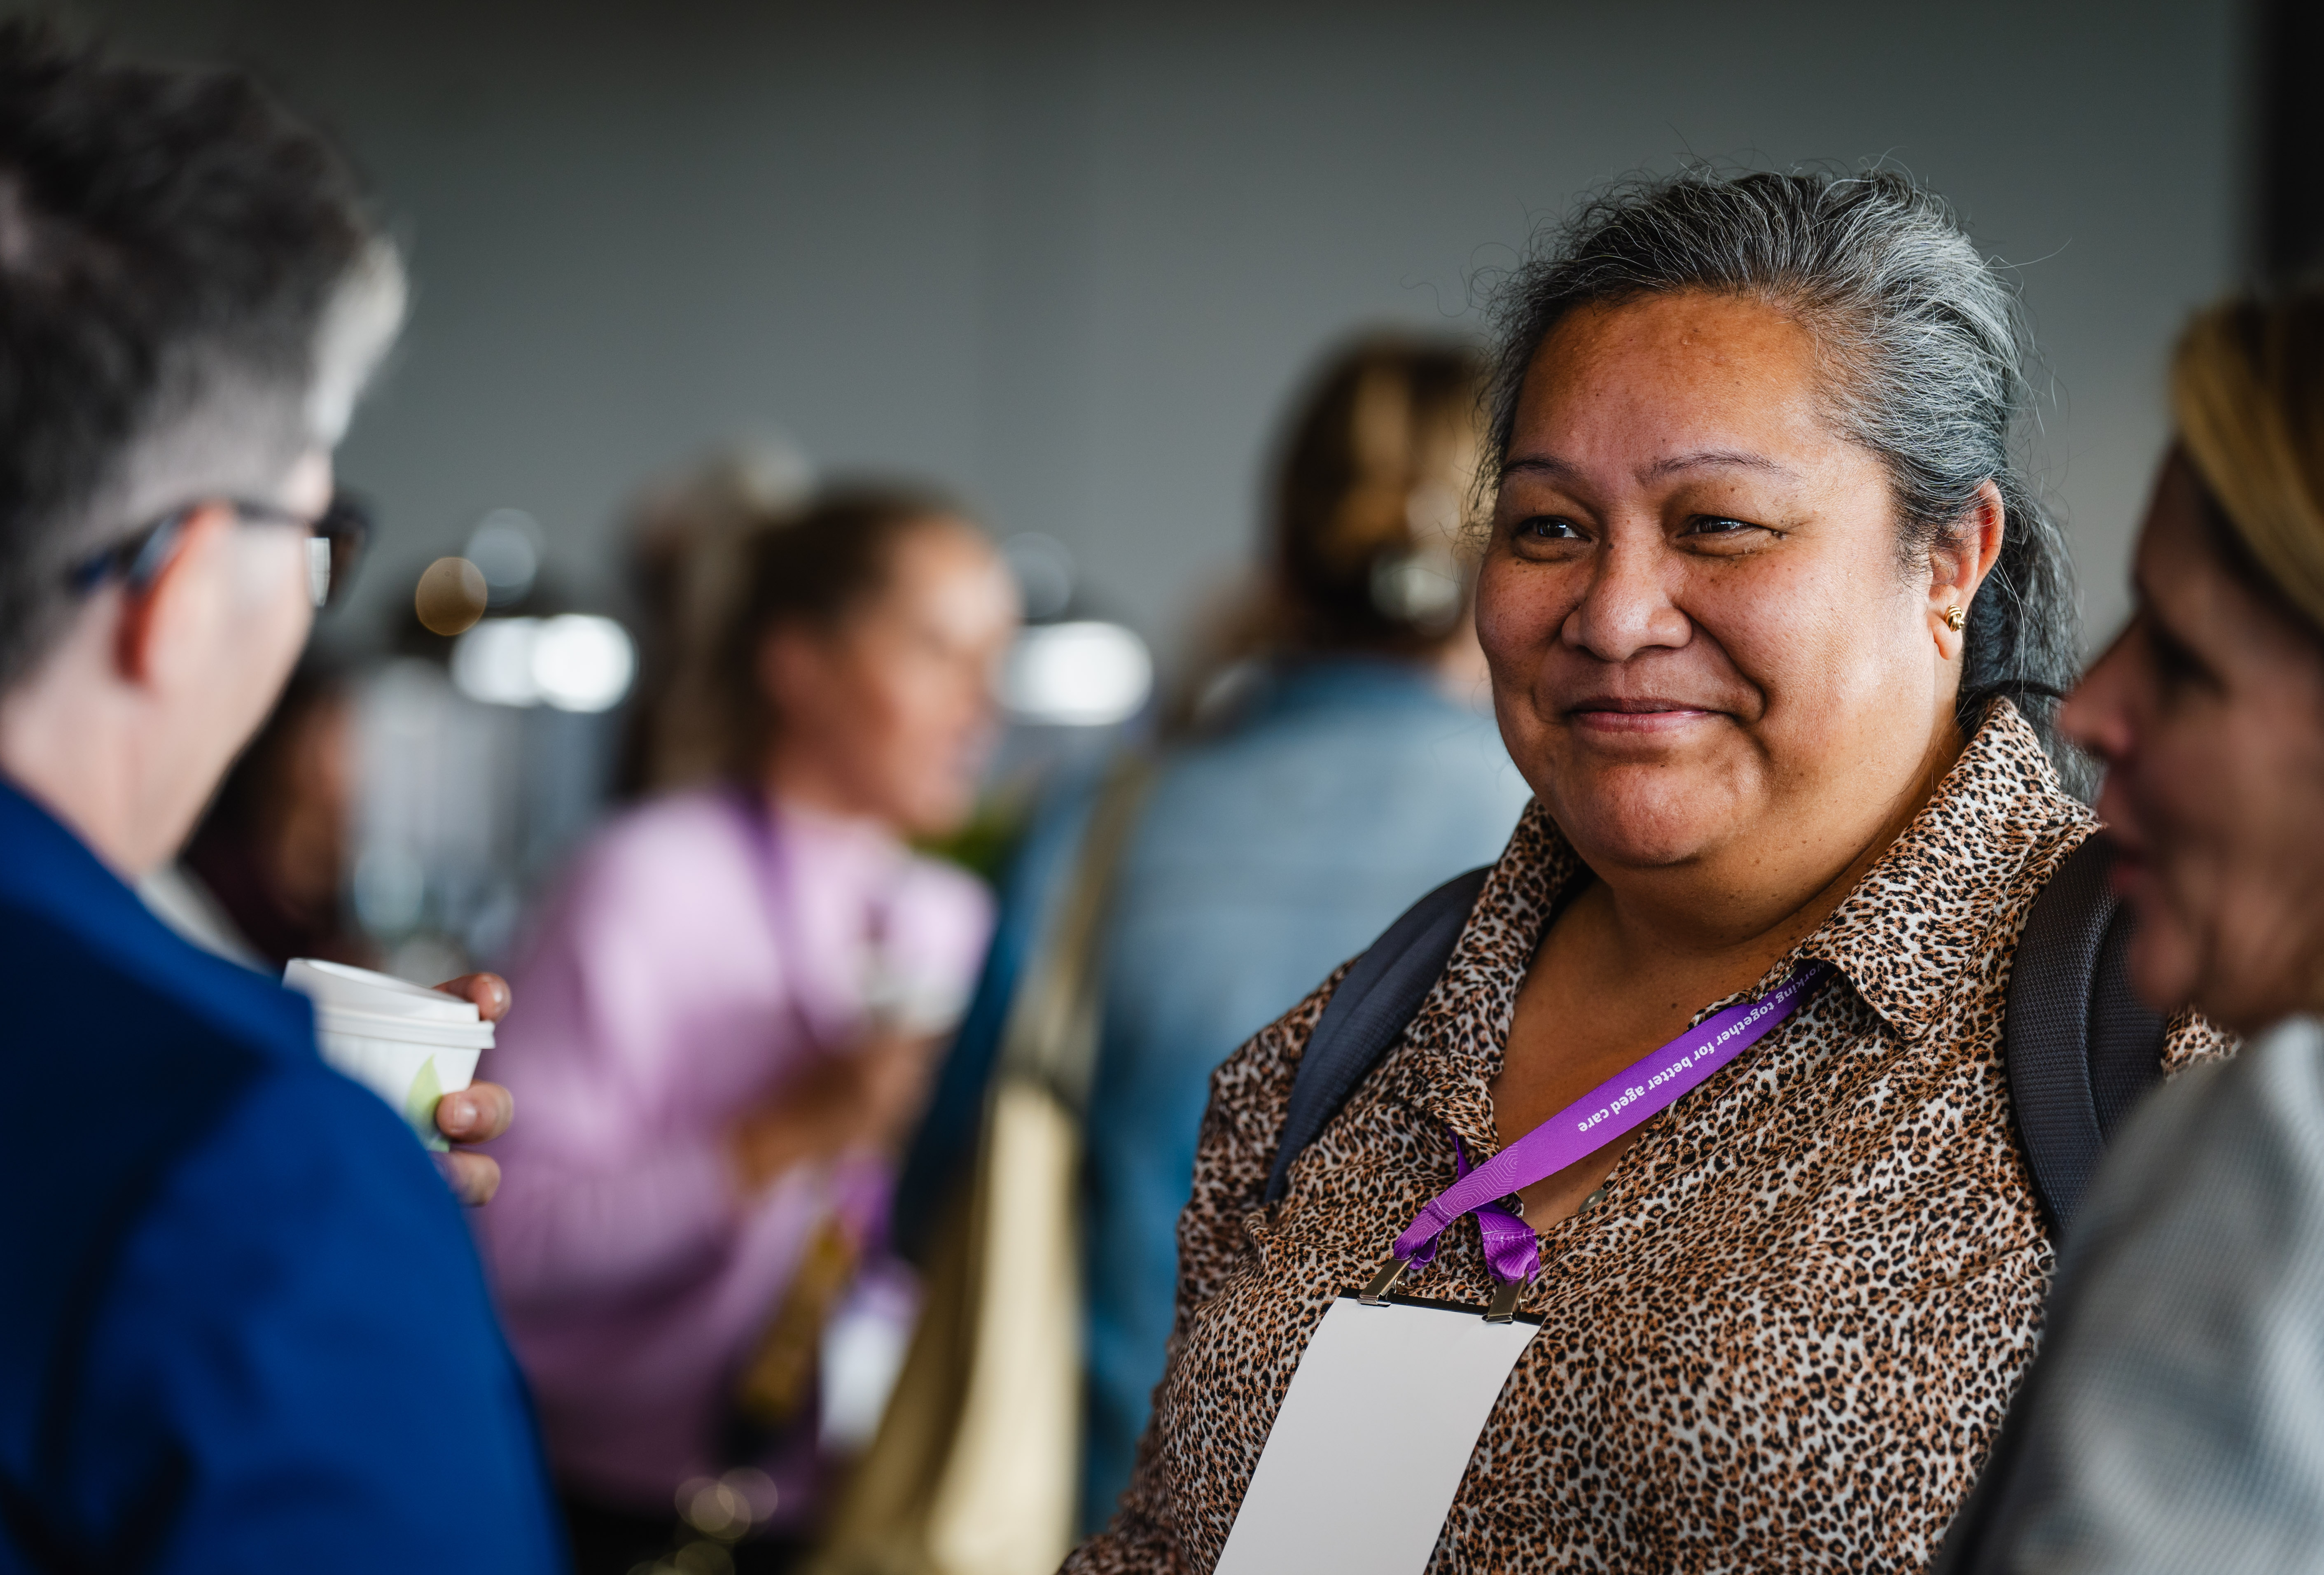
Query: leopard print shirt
pixel 1784 1337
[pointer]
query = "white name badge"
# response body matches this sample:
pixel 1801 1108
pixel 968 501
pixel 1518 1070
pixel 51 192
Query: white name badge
pixel 1374 1435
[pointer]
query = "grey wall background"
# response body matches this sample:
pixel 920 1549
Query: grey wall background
pixel 1073 259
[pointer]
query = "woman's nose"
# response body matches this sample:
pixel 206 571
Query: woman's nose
pixel 2097 717
pixel 1628 607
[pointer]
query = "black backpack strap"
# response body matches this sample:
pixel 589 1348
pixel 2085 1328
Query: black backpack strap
pixel 1382 989
pixel 2078 1047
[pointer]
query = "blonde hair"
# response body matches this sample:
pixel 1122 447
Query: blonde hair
pixel 2247 394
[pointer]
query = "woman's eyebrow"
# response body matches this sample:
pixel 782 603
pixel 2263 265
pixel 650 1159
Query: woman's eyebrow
pixel 1547 465
pixel 2162 630
pixel 1556 469
pixel 1709 458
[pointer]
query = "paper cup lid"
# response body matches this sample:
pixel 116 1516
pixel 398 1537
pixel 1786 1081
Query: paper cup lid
pixel 477 1036
pixel 341 988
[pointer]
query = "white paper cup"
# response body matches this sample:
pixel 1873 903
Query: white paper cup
pixel 407 1045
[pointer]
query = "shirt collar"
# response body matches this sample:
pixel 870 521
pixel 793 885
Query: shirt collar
pixel 47 873
pixel 42 864
pixel 1928 909
pixel 1937 901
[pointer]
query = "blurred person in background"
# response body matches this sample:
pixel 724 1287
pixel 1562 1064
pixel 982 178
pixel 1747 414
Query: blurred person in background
pixel 2176 1419
pixel 241 1327
pixel 730 1008
pixel 264 878
pixel 1334 761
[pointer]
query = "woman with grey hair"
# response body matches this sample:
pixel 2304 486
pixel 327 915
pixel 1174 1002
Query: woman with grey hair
pixel 1763 593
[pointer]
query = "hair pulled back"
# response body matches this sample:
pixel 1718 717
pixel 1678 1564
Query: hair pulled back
pixel 1369 497
pixel 1925 352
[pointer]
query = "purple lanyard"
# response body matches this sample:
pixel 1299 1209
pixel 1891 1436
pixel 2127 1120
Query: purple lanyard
pixel 1631 1097
pixel 777 895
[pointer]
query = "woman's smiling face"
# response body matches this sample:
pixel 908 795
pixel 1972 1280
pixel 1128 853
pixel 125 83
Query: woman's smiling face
pixel 1703 637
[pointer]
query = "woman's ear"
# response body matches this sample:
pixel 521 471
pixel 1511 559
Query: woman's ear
pixel 165 619
pixel 775 671
pixel 1959 562
pixel 793 670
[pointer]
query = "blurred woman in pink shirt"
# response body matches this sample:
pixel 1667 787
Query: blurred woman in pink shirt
pixel 730 1009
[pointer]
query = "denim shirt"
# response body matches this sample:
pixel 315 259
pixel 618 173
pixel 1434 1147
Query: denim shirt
pixel 1266 855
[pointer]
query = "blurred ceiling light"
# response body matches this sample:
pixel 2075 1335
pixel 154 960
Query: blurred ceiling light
pixel 1077 675
pixel 507 545
pixel 492 662
pixel 1045 574
pixel 583 662
pixel 576 661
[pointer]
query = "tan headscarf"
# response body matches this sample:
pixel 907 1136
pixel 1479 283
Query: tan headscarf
pixel 2247 391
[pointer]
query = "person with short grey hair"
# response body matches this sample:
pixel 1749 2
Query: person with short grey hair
pixel 242 1325
pixel 1774 620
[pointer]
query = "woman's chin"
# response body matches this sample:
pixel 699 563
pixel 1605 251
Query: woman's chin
pixel 1646 837
pixel 2164 961
pixel 1649 814
pixel 931 815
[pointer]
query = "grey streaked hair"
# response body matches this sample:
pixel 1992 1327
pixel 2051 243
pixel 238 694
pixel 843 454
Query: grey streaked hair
pixel 193 290
pixel 1927 350
pixel 358 328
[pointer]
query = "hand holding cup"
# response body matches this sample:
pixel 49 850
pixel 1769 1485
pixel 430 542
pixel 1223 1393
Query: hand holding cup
pixel 480 1112
pixel 417 1049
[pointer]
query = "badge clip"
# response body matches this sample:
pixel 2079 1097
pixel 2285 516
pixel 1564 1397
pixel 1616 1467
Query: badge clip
pixel 1375 1294
pixel 1503 1307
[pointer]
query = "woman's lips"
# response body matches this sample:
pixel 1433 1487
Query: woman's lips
pixel 2131 853
pixel 2129 869
pixel 1635 716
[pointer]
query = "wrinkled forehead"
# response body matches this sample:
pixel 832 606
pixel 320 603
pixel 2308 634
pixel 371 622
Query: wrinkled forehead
pixel 1636 384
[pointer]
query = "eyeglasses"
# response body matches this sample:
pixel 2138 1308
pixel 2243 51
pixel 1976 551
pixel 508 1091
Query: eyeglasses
pixel 335 543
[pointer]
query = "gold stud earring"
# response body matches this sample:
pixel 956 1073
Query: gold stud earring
pixel 1955 618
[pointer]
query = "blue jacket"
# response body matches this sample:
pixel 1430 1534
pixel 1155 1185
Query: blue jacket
pixel 241 1323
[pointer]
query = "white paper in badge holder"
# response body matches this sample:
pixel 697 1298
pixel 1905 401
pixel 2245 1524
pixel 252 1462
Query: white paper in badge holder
pixel 1374 1436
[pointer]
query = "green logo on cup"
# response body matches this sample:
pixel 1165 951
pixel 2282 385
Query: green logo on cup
pixel 419 1106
